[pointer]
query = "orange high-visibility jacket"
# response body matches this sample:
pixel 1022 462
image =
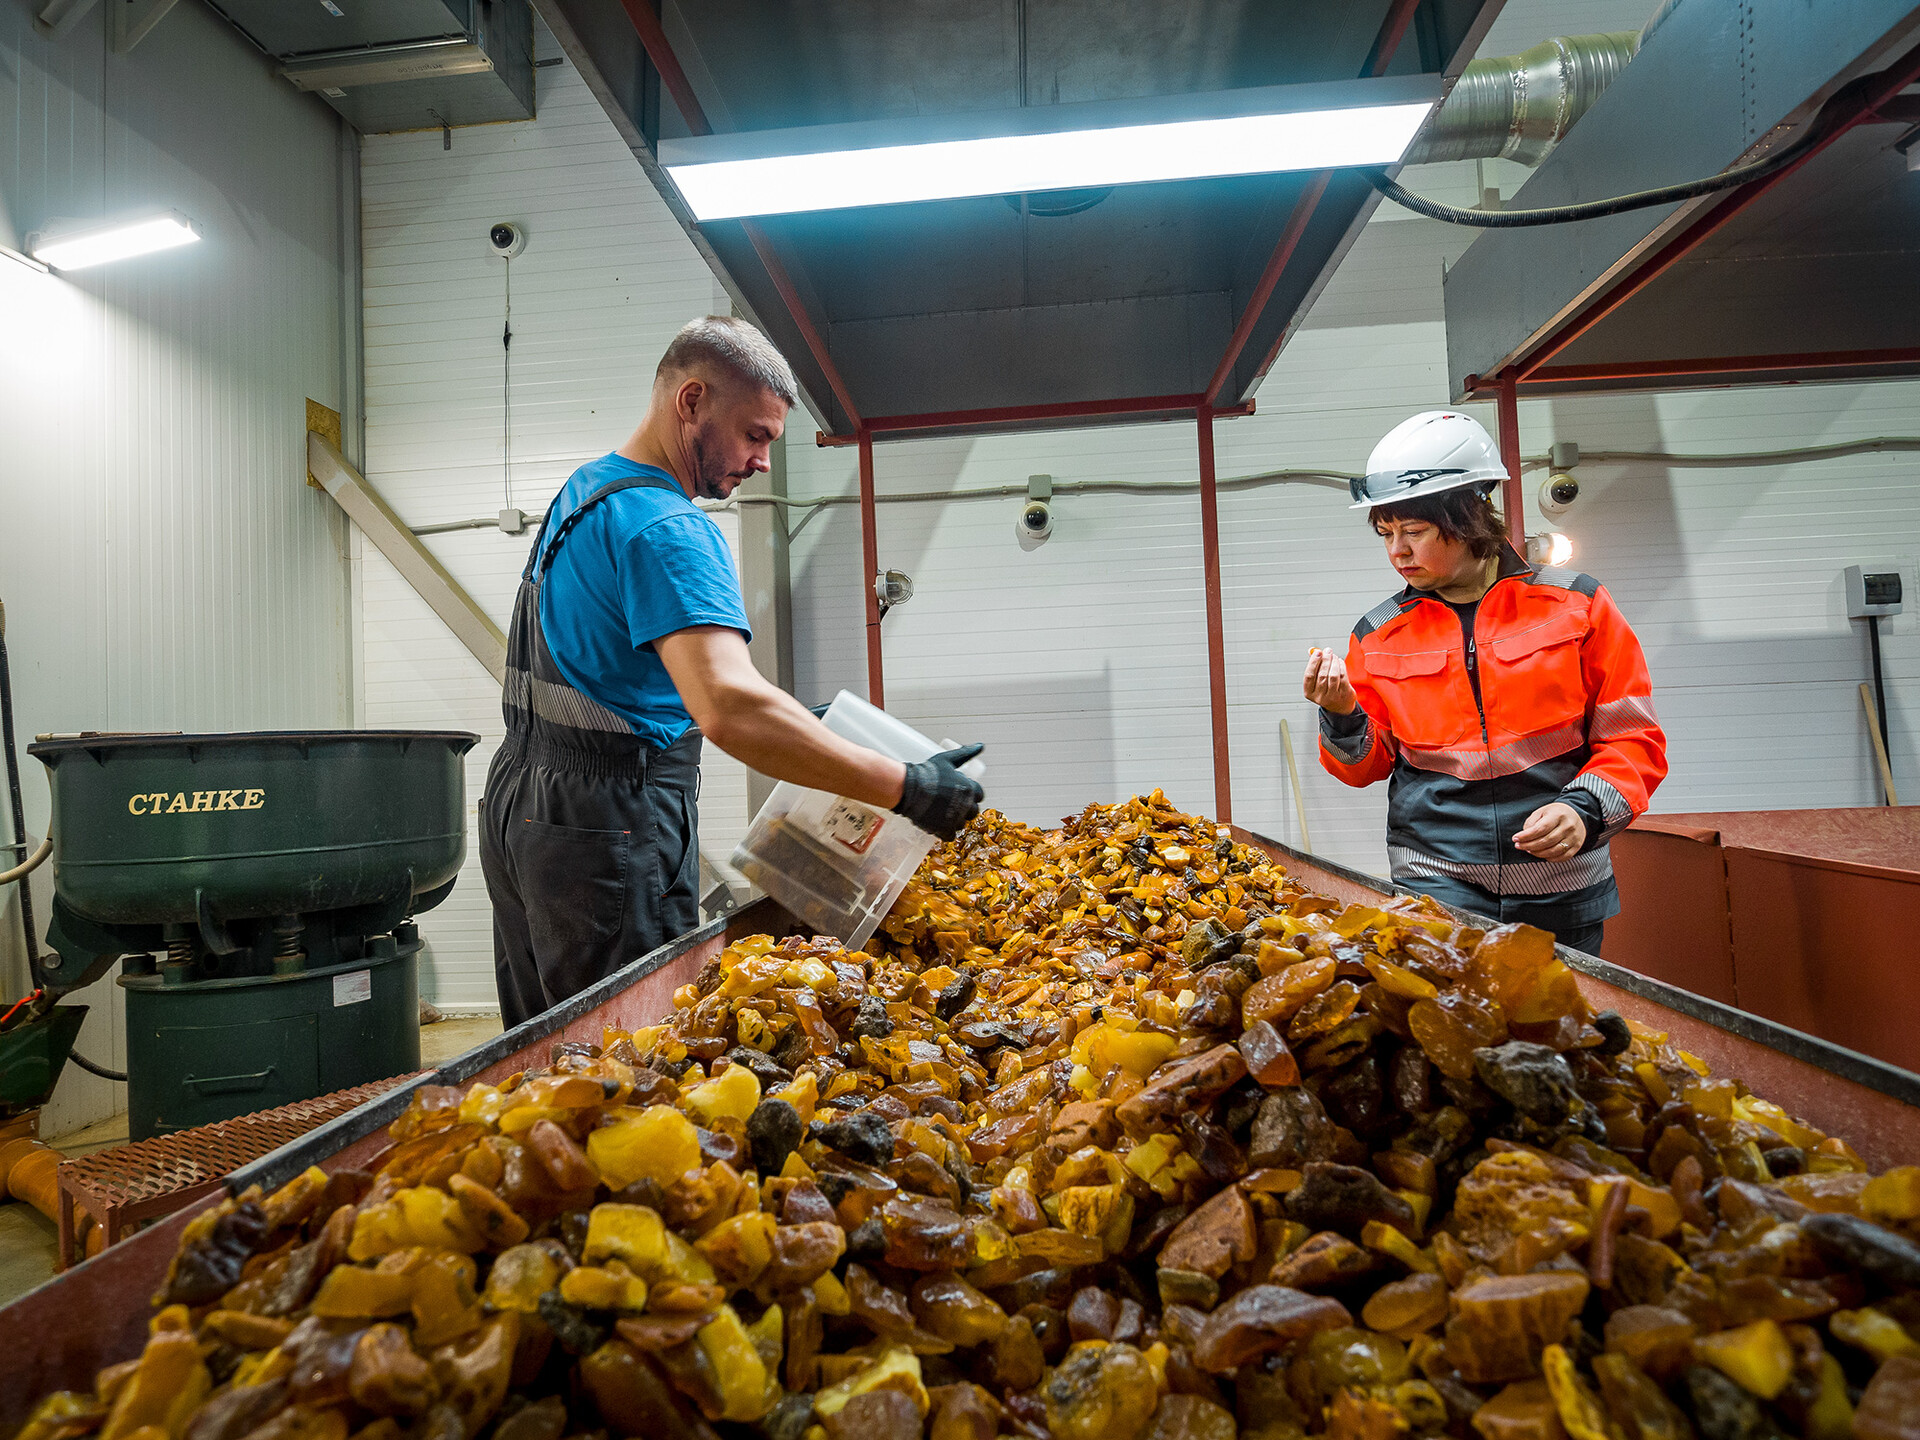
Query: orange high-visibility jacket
pixel 1564 712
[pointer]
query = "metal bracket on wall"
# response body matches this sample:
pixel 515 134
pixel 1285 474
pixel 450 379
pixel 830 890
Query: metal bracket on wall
pixel 133 20
pixel 471 625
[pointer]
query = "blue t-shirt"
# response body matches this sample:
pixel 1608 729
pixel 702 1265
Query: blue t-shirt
pixel 643 563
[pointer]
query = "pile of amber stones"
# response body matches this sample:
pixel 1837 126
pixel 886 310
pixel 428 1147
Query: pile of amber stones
pixel 1116 1132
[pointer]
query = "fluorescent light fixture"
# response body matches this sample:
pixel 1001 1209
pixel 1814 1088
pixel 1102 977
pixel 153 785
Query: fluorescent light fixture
pixel 1054 147
pixel 98 244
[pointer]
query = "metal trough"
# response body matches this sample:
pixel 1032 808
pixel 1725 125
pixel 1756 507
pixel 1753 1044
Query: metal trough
pixel 96 1314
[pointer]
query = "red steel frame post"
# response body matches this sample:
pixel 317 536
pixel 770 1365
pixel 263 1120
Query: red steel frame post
pixel 1216 622
pixel 1513 498
pixel 870 553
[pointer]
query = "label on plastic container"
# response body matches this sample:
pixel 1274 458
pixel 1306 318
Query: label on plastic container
pixel 850 824
pixel 352 988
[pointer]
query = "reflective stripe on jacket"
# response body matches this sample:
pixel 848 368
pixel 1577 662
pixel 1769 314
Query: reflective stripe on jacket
pixel 1565 713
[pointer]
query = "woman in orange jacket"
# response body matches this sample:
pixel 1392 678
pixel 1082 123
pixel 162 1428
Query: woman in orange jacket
pixel 1509 707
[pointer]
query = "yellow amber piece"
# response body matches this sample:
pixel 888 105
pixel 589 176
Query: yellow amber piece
pixel 897 1369
pixel 1380 1236
pixel 739 1248
pixel 1893 1196
pixel 1873 1331
pixel 657 1143
pixel 434 1219
pixel 1579 1408
pixel 352 1292
pixel 1830 1416
pixel 803 1094
pixel 830 1295
pixel 733 1094
pixel 1757 1357
pixel 608 1287
pixel 737 1366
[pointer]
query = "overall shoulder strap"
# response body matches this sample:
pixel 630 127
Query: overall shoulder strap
pixel 540 558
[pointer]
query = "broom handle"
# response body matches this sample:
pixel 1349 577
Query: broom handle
pixel 1879 743
pixel 1299 804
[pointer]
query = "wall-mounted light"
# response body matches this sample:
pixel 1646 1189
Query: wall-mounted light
pixel 1254 131
pixel 1550 548
pixel 80 246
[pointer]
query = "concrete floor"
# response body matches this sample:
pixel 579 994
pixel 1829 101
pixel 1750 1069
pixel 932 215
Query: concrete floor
pixel 29 1240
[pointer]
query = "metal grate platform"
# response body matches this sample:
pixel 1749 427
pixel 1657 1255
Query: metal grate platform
pixel 129 1184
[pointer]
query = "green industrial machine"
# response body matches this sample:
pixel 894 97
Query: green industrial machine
pixel 259 891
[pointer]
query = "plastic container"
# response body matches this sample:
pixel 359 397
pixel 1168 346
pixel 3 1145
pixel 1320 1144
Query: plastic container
pixel 836 864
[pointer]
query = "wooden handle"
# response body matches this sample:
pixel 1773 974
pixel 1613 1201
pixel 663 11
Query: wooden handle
pixel 1873 729
pixel 1299 802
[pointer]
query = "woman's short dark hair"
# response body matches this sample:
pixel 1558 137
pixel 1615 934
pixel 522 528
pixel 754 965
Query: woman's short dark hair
pixel 1465 514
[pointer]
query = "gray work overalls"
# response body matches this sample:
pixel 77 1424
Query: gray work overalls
pixel 589 835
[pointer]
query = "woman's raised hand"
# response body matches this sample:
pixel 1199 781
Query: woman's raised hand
pixel 1326 683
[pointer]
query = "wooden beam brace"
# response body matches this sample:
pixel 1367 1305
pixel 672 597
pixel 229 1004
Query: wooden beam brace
pixel 417 565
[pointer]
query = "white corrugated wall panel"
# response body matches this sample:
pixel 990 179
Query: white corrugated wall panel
pixel 606 279
pixel 165 566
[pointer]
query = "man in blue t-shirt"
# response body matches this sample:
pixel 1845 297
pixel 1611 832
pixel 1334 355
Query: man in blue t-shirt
pixel 628 644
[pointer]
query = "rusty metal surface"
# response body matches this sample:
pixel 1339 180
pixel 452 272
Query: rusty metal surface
pixel 1829 948
pixel 1673 923
pixel 154 1177
pixel 1805 917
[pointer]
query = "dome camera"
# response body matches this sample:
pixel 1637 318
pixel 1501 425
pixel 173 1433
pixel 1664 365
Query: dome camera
pixel 1034 525
pixel 1558 492
pixel 505 239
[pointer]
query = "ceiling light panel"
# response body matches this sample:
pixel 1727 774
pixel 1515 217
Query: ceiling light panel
pixel 1060 147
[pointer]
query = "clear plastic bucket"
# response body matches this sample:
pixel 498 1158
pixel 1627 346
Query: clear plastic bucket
pixel 836 864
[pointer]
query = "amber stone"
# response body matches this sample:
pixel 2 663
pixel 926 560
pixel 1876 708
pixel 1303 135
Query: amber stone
pixel 1278 998
pixel 1406 1307
pixel 1890 1408
pixel 1501 1324
pixel 1268 1059
pixel 1260 1320
pixel 947 1306
pixel 1523 1411
pixel 1190 1417
pixel 1452 1025
pixel 925 1235
pixel 1321 1261
pixel 1213 1238
pixel 1657 1339
pixel 1100 1393
pixel 1326 1011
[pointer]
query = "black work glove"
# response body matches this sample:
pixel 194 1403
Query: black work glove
pixel 937 797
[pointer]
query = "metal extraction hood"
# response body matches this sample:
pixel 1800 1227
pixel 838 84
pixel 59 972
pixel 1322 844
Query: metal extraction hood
pixel 1142 301
pixel 1810 274
pixel 400 64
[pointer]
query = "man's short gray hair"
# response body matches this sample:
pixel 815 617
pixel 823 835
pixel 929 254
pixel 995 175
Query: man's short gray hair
pixel 735 349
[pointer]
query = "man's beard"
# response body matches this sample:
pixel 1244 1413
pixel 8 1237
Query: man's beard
pixel 708 473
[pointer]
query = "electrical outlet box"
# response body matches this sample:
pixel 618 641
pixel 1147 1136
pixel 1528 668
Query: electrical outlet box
pixel 1871 593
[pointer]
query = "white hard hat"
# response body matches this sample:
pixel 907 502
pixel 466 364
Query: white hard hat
pixel 1436 450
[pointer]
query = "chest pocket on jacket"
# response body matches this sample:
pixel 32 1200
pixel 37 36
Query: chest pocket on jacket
pixel 1539 683
pixel 1427 700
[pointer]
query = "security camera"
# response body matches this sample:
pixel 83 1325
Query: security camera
pixel 1558 492
pixel 505 239
pixel 1034 525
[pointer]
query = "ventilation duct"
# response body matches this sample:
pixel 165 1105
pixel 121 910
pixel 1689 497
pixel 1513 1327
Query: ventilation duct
pixel 1518 107
pixel 400 64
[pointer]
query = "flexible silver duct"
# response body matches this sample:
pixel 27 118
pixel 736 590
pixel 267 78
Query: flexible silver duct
pixel 1518 107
